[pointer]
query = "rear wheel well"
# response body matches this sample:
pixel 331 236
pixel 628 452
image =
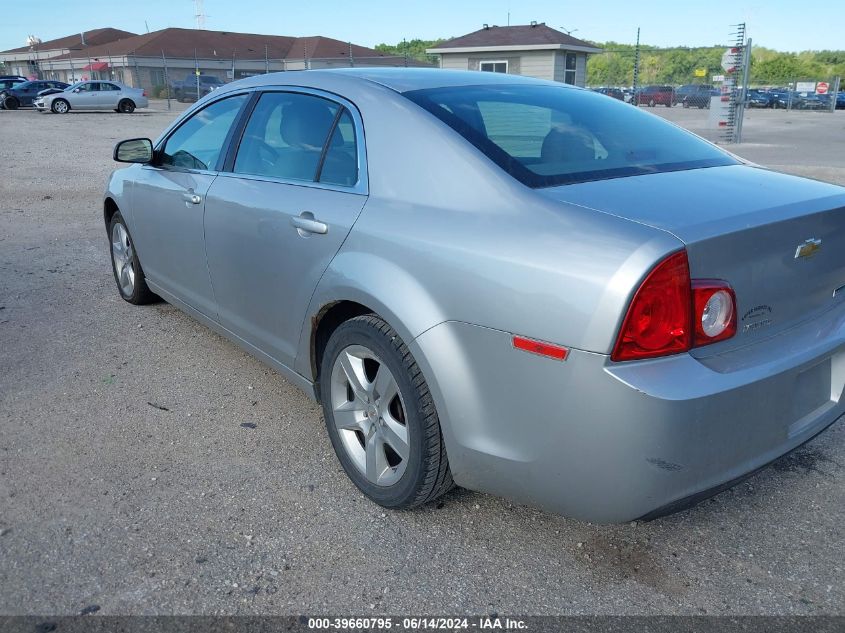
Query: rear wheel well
pixel 325 323
pixel 109 209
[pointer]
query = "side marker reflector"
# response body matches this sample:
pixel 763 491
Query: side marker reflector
pixel 543 349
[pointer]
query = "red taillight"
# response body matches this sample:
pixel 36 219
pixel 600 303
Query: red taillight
pixel 659 318
pixel 144 94
pixel 670 313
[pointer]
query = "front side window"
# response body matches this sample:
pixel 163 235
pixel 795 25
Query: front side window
pixel 552 135
pixel 286 136
pixel 494 67
pixel 198 143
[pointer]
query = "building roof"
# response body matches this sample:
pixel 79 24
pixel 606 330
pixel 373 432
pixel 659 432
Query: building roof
pixel 92 38
pixel 536 36
pixel 187 43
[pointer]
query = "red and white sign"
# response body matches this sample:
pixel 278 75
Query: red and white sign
pixel 730 59
pixel 822 87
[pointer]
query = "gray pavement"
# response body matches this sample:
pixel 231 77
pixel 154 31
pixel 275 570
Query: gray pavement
pixel 127 480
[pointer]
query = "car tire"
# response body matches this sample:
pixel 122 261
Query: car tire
pixel 651 103
pixel 11 103
pixel 128 274
pixel 126 106
pixel 60 106
pixel 384 429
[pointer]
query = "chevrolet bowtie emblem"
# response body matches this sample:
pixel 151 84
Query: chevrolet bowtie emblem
pixel 808 248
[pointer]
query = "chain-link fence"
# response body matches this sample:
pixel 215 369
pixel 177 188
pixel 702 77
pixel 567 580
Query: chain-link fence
pixel 720 82
pixel 189 78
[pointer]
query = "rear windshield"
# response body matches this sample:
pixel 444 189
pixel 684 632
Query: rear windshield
pixel 549 135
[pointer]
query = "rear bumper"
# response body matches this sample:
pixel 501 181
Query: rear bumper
pixel 611 442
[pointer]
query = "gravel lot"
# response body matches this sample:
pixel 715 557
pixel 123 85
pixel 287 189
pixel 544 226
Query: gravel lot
pixel 127 480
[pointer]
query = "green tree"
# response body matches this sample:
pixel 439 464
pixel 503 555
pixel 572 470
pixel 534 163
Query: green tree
pixel 414 49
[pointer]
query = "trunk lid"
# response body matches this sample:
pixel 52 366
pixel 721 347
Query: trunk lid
pixel 744 225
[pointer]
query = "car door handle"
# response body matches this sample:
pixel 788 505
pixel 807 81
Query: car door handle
pixel 305 223
pixel 191 198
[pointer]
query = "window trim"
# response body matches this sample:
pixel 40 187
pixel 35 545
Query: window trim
pixel 481 62
pixel 361 187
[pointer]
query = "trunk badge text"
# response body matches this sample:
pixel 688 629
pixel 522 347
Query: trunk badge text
pixel 808 248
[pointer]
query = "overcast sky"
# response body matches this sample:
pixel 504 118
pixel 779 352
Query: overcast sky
pixel 781 24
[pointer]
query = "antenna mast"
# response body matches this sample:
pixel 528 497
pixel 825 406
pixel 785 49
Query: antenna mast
pixel 199 14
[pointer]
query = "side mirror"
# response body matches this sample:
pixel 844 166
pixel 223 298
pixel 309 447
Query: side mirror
pixel 134 150
pixel 76 89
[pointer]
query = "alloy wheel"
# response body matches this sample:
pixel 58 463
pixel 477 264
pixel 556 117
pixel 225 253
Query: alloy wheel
pixel 123 258
pixel 369 415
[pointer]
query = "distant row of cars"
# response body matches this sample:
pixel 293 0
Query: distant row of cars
pixel 57 96
pixel 692 95
pixel 699 95
pixel 794 100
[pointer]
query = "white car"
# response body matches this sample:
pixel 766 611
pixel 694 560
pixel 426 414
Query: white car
pixel 94 95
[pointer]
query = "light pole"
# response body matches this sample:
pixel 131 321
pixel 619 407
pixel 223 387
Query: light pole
pixel 567 31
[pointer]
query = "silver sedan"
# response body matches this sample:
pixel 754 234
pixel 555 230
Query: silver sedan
pixel 94 95
pixel 511 285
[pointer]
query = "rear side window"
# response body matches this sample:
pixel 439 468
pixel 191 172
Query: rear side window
pixel 340 166
pixel 549 135
pixel 295 136
pixel 198 142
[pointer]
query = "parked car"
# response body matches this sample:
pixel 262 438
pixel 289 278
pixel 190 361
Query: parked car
pixel 811 101
pixel 23 94
pixel 760 99
pixel 187 90
pixel 683 91
pixel 10 81
pixel 575 304
pixel 784 98
pixel 94 95
pixel 698 96
pixel 616 93
pixel 840 101
pixel 656 95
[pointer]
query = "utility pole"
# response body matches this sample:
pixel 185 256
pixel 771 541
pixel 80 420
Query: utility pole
pixel 197 74
pixel 746 68
pixel 166 78
pixel 637 67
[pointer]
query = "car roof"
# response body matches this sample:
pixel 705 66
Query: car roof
pixel 398 79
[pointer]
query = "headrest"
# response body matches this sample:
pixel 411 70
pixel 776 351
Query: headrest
pixel 305 124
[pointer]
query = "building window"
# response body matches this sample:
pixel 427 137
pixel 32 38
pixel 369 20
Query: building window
pixel 495 67
pixel 570 68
